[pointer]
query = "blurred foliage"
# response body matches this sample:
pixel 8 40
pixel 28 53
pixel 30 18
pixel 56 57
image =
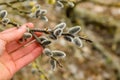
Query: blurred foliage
pixel 100 22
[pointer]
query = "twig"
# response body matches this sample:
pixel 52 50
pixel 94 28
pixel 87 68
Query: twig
pixel 14 8
pixel 57 62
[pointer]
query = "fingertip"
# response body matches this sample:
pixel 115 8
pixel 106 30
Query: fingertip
pixel 22 28
pixel 30 25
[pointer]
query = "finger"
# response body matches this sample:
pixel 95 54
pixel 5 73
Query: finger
pixel 16 45
pixel 28 58
pixel 9 30
pixel 15 35
pixel 24 51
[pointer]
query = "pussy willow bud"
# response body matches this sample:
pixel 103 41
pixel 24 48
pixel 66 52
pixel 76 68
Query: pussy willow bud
pixel 61 25
pixel 5 21
pixel 52 36
pixel 59 54
pixel 60 4
pixel 27 35
pixel 71 4
pixel 37 13
pixel 53 64
pixel 47 52
pixel 3 14
pixel 44 18
pixel 74 30
pixel 42 38
pixel 45 42
pixel 43 12
pixel 57 32
pixel 77 41
pixel 68 38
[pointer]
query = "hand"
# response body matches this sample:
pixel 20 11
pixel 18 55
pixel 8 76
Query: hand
pixel 13 56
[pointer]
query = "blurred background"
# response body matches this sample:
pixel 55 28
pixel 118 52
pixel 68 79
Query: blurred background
pixel 100 22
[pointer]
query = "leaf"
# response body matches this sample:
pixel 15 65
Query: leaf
pixel 61 26
pixel 47 52
pixel 3 14
pixel 57 32
pixel 77 41
pixel 59 54
pixel 74 30
pixel 53 64
pixel 68 38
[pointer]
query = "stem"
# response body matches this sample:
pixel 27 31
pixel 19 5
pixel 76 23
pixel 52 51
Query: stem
pixel 39 30
pixel 57 62
pixel 85 39
pixel 14 24
pixel 37 39
pixel 63 34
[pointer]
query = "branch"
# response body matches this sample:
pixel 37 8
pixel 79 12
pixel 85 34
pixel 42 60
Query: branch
pixel 14 8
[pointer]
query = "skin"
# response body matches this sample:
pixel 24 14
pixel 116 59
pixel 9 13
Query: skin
pixel 13 56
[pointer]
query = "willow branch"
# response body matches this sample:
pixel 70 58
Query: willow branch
pixel 14 8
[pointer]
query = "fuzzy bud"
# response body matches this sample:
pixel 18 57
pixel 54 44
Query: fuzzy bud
pixel 61 26
pixel 58 32
pixel 53 64
pixel 5 21
pixel 47 52
pixel 3 14
pixel 59 54
pixel 77 41
pixel 74 30
pixel 68 38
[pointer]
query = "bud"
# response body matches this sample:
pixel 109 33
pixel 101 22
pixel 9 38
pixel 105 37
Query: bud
pixel 59 4
pixel 59 54
pixel 43 12
pixel 3 14
pixel 37 13
pixel 44 18
pixel 77 41
pixel 61 26
pixel 71 4
pixel 42 38
pixel 45 42
pixel 27 35
pixel 5 21
pixel 57 32
pixel 52 36
pixel 53 64
pixel 74 30
pixel 68 38
pixel 47 52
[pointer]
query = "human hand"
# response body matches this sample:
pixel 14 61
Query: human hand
pixel 13 56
